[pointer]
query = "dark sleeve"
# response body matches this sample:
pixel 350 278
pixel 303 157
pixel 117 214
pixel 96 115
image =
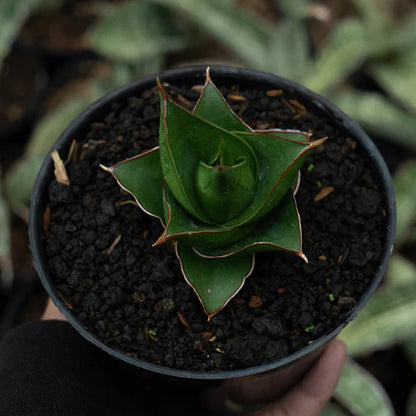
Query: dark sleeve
pixel 47 368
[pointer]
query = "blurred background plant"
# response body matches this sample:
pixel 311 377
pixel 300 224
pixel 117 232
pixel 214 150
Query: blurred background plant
pixel 57 56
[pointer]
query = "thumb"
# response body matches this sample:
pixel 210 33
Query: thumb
pixel 310 396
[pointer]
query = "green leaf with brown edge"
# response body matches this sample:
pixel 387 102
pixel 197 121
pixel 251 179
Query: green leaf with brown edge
pixel 181 151
pixel 212 106
pixel 279 230
pixel 215 281
pixel 291 135
pixel 228 187
pixel 142 176
pixel 220 180
pixel 182 227
pixel 279 162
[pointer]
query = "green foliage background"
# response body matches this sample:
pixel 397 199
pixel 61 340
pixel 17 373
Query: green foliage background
pixel 138 37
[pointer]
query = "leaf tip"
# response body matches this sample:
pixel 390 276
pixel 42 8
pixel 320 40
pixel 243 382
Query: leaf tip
pixel 207 75
pixel 301 254
pixel 162 238
pixel 161 88
pixel 212 314
pixel 317 143
pixel 159 241
pixel 105 168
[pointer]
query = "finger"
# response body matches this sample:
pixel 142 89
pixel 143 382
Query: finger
pixel 259 388
pixel 52 312
pixel 310 396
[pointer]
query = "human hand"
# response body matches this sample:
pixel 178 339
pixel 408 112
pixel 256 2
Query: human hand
pixel 52 312
pixel 307 398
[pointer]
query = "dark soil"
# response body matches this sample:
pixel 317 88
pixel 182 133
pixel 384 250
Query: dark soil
pixel 135 298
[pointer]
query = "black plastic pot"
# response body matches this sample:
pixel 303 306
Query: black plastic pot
pixel 291 367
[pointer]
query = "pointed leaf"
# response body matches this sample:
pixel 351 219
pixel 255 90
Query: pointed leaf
pixel 181 151
pixel 182 227
pixel 212 106
pixel 224 191
pixel 142 176
pixel 215 281
pixel 136 31
pixel 361 393
pixel 292 135
pixel 279 230
pixel 279 162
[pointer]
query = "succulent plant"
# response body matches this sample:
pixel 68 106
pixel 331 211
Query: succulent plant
pixel 221 190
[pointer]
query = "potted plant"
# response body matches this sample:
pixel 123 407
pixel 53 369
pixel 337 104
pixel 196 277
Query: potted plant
pixel 219 173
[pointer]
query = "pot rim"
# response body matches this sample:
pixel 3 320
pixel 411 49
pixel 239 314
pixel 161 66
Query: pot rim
pixel 197 73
